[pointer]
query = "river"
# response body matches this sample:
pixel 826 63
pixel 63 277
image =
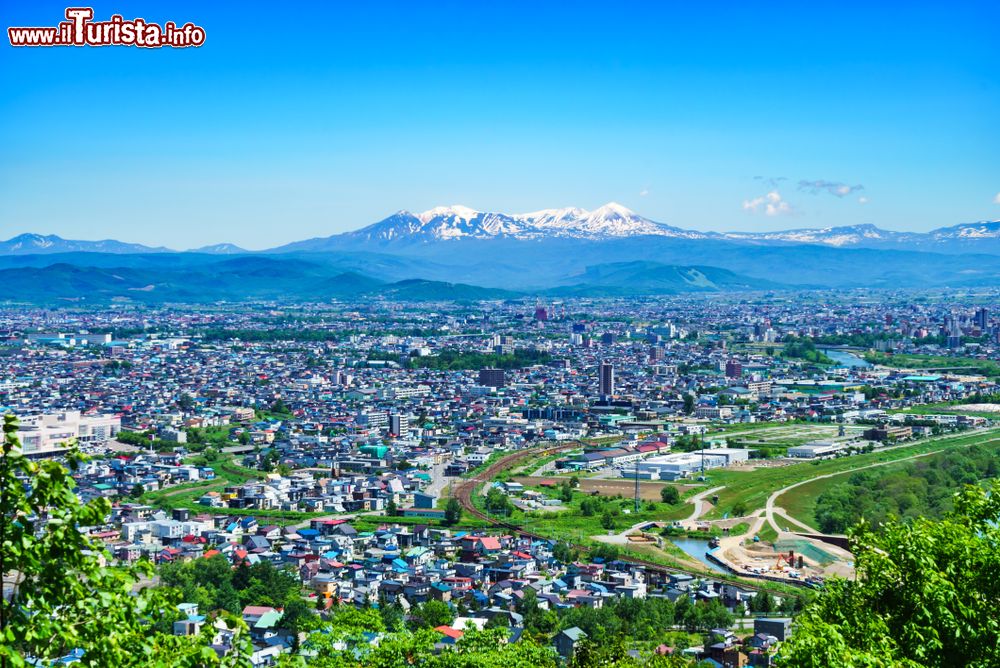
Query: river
pixel 844 358
pixel 697 548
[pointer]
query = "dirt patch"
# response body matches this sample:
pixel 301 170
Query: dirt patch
pixel 648 491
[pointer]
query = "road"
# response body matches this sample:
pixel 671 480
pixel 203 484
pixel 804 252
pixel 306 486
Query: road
pixel 464 491
pixel 438 481
pixel 699 502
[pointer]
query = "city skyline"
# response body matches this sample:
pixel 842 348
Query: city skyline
pixel 740 120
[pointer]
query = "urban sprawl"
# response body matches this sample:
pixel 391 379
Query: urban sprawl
pixel 485 461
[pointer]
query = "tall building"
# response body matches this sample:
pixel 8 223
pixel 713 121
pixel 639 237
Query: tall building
pixel 733 369
pixel 606 372
pixel 398 424
pixel 492 377
pixel 609 338
pixel 503 344
pixel 982 319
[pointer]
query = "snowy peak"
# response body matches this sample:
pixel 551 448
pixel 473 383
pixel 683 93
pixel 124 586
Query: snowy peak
pixel 456 211
pixel 983 229
pixel 442 223
pixel 851 235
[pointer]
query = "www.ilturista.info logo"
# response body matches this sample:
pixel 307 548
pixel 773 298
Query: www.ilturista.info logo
pixel 81 30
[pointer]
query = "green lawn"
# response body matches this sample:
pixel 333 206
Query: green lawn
pixel 800 503
pixel 753 487
pixel 946 407
pixel 936 362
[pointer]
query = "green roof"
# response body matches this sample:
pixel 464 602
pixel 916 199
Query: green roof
pixel 268 620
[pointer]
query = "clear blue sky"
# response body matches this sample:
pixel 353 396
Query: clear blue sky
pixel 305 119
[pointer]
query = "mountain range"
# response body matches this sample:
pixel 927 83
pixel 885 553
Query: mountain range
pixel 609 222
pixel 456 252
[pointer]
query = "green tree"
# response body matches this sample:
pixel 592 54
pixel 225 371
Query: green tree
pixel 689 401
pixel 924 594
pixel 497 502
pixel 762 602
pixel 57 594
pixel 299 616
pixel 670 495
pixel 185 402
pixel 432 614
pixel 452 512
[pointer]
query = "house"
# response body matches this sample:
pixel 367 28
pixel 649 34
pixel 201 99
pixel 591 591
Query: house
pixel 780 628
pixel 567 640
pixel 449 636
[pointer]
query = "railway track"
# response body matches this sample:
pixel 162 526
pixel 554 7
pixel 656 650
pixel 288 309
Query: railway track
pixel 465 490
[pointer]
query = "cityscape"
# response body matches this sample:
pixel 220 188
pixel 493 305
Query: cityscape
pixel 444 335
pixel 587 451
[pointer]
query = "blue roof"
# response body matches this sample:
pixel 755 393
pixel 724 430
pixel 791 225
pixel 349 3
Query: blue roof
pixel 307 532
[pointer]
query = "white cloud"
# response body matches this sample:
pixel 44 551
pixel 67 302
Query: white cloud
pixel 835 188
pixel 996 200
pixel 770 204
pixel 643 192
pixel 862 200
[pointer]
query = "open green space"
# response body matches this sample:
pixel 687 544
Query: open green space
pixel 947 407
pixel 751 488
pixel 969 365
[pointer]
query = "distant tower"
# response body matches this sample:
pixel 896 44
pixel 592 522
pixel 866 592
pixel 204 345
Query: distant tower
pixel 606 371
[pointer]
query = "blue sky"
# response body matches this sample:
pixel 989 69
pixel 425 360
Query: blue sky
pixel 305 119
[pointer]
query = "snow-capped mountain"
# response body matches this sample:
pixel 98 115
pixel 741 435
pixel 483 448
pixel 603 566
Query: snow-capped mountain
pixel 852 235
pixel 36 244
pixel 609 223
pixel 968 231
pixel 443 223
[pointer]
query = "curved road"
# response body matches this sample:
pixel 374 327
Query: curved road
pixel 699 503
pixel 770 508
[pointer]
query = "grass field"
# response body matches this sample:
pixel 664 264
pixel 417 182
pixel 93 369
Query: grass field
pixel 969 365
pixel 753 487
pixel 800 503
pixel 952 408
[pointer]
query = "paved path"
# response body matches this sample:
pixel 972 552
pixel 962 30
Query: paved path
pixel 699 503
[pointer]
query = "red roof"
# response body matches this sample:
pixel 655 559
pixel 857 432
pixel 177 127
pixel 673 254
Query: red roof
pixel 450 632
pixel 257 610
pixel 490 543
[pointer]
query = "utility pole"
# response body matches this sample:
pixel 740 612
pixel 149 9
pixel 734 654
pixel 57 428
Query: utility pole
pixel 636 485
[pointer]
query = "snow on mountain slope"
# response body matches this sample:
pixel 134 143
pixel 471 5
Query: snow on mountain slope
pixel 460 222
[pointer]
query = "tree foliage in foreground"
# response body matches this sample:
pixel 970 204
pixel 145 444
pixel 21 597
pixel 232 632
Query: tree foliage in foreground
pixel 925 595
pixel 62 596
